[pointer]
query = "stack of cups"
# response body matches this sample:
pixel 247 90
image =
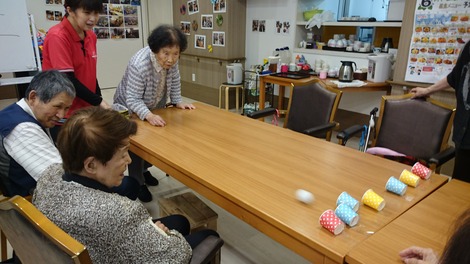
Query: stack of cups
pixel 347 208
pixel 331 222
pixel 372 199
pixel 409 178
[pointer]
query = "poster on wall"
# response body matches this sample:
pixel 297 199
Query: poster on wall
pixel 118 21
pixel 440 31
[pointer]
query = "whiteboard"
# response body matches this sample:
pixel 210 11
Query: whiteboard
pixel 16 43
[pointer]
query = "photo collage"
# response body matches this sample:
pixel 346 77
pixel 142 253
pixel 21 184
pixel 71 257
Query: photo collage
pixel 206 23
pixel 118 20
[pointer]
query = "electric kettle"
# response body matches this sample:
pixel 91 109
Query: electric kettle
pixel 346 71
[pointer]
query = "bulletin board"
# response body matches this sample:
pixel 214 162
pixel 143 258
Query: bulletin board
pixel 16 42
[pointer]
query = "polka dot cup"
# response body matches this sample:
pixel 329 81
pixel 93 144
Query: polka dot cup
pixel 372 199
pixel 331 222
pixel 422 171
pixel 409 178
pixel 396 186
pixel 346 198
pixel 347 214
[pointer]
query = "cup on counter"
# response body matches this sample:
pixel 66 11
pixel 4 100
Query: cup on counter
pixel 373 200
pixel 376 50
pixel 331 222
pixel 357 45
pixel 409 178
pixel 284 67
pixel 396 186
pixel 422 171
pixel 323 74
pixel 292 67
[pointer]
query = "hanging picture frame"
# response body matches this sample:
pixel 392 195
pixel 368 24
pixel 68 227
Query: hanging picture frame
pixel 200 41
pixel 207 22
pixel 219 6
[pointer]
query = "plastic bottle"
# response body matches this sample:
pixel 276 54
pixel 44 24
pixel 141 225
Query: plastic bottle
pixel 287 55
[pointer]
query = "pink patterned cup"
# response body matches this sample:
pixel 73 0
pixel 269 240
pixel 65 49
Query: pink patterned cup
pixel 422 171
pixel 331 222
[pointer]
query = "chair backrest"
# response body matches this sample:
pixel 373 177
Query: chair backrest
pixel 414 127
pixel 34 238
pixel 312 105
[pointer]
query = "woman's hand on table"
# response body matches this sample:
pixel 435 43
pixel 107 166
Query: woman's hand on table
pixel 155 120
pixel 185 106
pixel 418 255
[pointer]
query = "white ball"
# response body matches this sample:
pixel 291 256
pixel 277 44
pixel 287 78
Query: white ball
pixel 304 196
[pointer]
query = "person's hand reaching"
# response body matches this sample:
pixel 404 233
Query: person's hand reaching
pixel 418 255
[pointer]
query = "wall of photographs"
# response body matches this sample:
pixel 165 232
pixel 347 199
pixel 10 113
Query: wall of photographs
pixel 211 26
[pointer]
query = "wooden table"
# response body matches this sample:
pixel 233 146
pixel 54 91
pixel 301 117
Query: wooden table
pixel 428 224
pixel 283 82
pixel 252 169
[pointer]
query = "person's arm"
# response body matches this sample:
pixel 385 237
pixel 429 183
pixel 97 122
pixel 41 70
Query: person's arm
pixel 438 86
pixel 32 148
pixel 83 92
pixel 418 255
pixel 135 91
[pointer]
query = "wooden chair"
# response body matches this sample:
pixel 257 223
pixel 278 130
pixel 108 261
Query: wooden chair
pixel 311 110
pixel 34 238
pixel 418 128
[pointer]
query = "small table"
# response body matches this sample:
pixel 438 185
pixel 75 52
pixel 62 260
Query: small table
pixel 283 82
pixel 427 224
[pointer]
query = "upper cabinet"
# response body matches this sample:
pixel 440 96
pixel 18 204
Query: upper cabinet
pixel 213 30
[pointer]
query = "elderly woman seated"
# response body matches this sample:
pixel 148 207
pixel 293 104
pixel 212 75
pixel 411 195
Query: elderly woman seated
pixel 78 196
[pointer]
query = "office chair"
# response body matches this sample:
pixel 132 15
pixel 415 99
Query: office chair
pixel 34 238
pixel 416 129
pixel 311 110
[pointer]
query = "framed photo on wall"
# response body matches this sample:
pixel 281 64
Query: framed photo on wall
pixel 207 22
pixel 220 6
pixel 185 26
pixel 200 41
pixel 218 38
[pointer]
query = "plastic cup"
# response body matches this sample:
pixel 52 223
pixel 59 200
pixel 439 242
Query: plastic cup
pixel 422 171
pixel 331 222
pixel 347 214
pixel 346 198
pixel 372 199
pixel 396 186
pixel 409 178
